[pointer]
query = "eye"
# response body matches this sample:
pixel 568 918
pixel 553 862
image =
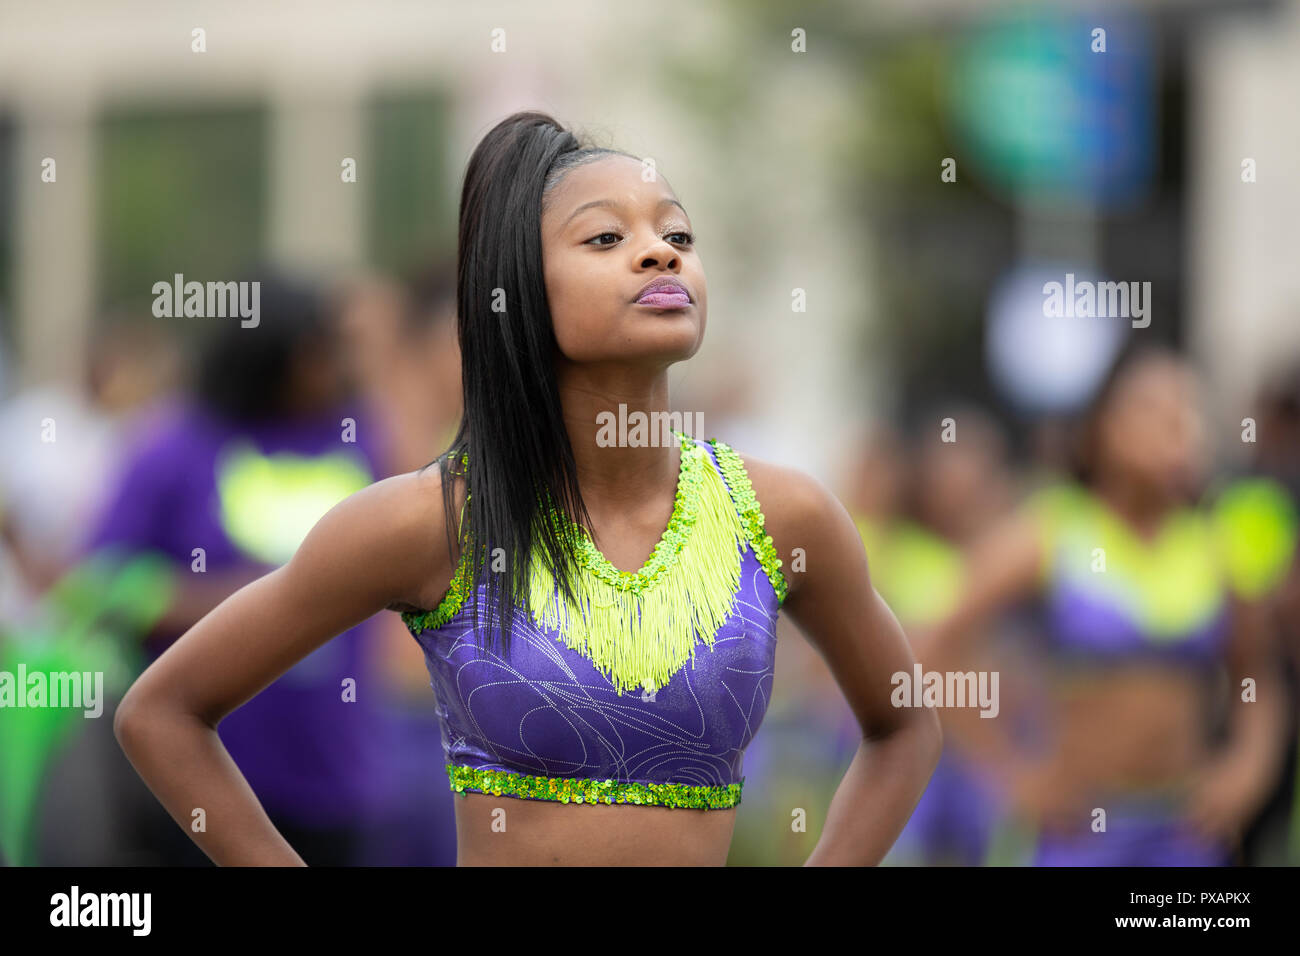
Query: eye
pixel 688 240
pixel 592 240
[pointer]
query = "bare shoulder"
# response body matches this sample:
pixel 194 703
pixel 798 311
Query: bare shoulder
pixel 799 512
pixel 395 530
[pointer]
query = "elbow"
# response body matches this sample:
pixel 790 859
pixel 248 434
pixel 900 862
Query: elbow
pixel 132 715
pixel 920 734
pixel 143 718
pixel 932 734
pixel 125 719
pixel 926 734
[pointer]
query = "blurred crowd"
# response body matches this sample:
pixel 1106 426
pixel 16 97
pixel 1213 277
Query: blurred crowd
pixel 174 476
pixel 132 505
pixel 1138 599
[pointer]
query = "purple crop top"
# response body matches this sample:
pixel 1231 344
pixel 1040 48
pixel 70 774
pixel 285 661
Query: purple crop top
pixel 1110 598
pixel 547 723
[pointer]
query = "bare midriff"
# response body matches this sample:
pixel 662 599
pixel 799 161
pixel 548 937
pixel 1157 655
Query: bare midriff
pixel 1131 730
pixel 508 831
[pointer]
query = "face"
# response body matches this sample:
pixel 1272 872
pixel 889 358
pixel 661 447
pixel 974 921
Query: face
pixel 962 485
pixel 881 475
pixel 1152 430
pixel 440 352
pixel 320 374
pixel 369 326
pixel 606 235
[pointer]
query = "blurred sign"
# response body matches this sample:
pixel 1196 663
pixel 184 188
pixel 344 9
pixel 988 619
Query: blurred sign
pixel 1057 104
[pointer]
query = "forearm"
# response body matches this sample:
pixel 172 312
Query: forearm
pixel 1257 732
pixel 965 729
pixel 873 802
pixel 182 760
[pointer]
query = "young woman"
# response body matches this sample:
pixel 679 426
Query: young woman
pixel 1145 603
pixel 569 668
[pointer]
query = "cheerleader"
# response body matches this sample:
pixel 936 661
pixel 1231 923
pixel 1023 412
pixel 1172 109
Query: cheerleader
pixel 598 618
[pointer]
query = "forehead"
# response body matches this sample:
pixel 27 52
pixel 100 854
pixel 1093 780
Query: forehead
pixel 1159 375
pixel 1160 382
pixel 615 178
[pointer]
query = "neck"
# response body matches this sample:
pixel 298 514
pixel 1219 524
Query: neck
pixel 1140 505
pixel 610 467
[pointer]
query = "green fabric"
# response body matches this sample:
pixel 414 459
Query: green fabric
pixel 270 502
pixel 1174 581
pixel 90 620
pixel 1012 843
pixel 1255 522
pixel 918 573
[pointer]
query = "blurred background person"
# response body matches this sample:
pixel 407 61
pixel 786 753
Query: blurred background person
pixel 56 612
pixel 402 335
pixel 61 433
pixel 1258 510
pixel 225 483
pixel 1143 614
pixel 957 482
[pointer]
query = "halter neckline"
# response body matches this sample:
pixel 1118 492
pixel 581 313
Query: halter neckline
pixel 681 521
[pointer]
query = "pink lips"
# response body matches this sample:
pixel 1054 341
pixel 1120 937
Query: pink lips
pixel 664 293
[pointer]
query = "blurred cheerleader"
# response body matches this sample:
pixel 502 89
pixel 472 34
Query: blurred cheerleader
pixel 1147 601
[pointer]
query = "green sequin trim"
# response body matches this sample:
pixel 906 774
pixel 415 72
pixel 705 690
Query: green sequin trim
pixel 458 591
pixel 685 505
pixel 742 492
pixel 417 622
pixel 589 559
pixel 505 783
pixel 639 628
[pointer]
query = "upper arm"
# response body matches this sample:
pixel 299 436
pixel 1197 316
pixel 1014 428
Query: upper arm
pixel 831 597
pixel 382 545
pixel 1002 567
pixel 1252 649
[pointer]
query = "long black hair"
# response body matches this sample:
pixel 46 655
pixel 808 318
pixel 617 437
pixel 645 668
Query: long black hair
pixel 512 447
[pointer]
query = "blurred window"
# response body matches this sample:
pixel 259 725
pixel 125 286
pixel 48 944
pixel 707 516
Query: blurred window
pixel 412 214
pixel 179 190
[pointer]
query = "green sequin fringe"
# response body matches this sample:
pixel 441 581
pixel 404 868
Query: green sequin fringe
pixel 742 493
pixel 639 628
pixel 576 790
pixel 686 589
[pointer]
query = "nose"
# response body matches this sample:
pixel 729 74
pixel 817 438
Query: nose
pixel 662 255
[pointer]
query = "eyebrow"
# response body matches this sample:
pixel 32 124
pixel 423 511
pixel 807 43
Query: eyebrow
pixel 666 201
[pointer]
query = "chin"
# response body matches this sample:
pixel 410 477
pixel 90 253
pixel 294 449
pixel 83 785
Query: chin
pixel 680 339
pixel 638 349
pixel 663 337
